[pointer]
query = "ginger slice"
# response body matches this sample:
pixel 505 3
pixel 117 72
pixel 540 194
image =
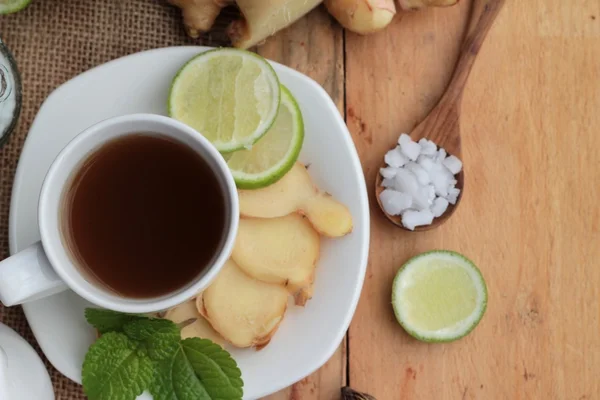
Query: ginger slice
pixel 245 311
pixel 280 250
pixel 362 16
pixel 304 295
pixel 199 328
pixel 295 192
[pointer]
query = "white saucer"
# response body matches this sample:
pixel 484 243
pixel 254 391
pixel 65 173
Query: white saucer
pixel 23 375
pixel 309 336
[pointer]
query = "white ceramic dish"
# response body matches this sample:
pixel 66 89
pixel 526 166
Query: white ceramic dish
pixel 139 83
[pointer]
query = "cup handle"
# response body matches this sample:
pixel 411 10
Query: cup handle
pixel 28 276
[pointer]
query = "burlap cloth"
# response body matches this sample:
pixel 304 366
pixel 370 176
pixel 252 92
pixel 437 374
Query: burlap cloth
pixel 54 40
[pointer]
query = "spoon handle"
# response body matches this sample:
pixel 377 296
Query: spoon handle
pixel 483 14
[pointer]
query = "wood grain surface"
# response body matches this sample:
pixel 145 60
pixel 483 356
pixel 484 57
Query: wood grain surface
pixel 530 214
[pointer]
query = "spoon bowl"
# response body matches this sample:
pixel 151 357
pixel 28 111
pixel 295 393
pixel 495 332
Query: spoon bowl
pixel 442 125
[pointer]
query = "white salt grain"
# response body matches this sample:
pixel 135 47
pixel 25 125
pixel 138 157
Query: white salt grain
pixel 388 183
pixel 425 162
pixel 428 148
pixel 440 180
pixel 453 164
pixel 394 202
pixel 388 173
pixel 420 173
pixel 452 195
pixel 440 156
pixel 411 219
pixel 422 199
pixel 406 181
pixel 395 158
pixel 439 207
pixel 409 148
pixel 430 190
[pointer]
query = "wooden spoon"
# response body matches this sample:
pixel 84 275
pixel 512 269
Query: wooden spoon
pixel 442 124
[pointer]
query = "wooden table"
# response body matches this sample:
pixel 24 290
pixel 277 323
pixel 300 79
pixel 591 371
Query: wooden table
pixel 530 215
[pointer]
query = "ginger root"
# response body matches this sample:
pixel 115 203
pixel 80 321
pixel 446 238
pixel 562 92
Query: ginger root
pixel 199 15
pixel 362 16
pixel 260 18
pixel 263 18
pixel 418 4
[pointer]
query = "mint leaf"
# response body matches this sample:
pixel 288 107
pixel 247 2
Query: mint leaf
pixel 198 370
pixel 115 368
pixel 160 336
pixel 109 321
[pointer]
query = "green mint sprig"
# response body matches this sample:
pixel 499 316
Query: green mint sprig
pixel 137 353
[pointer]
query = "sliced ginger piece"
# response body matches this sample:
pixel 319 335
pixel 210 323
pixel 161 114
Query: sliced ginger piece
pixel 304 295
pixel 245 311
pixel 197 325
pixel 328 216
pixel 281 250
pixel 295 192
pixel 279 199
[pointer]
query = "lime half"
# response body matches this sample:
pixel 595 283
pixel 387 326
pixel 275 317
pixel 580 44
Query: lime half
pixel 230 96
pixel 11 6
pixel 439 296
pixel 275 153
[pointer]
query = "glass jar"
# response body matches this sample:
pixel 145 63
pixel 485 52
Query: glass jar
pixel 10 93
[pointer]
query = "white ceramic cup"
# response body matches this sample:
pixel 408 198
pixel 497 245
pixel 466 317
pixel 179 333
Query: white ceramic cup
pixel 46 267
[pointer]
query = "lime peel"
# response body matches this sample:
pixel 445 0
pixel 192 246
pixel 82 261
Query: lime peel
pixel 12 6
pixel 275 153
pixel 439 296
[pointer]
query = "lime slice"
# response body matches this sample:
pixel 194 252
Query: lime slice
pixel 11 6
pixel 275 153
pixel 230 96
pixel 439 296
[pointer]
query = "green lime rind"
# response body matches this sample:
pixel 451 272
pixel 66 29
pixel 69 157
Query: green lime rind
pixel 265 125
pixel 476 316
pixel 277 171
pixel 13 6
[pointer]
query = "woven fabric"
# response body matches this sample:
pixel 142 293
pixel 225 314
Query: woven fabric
pixel 55 40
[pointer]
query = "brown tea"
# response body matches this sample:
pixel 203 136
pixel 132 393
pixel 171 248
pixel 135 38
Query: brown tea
pixel 144 215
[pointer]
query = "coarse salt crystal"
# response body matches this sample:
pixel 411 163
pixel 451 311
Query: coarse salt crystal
pixel 422 198
pixel 395 158
pixel 440 177
pixel 388 173
pixel 453 164
pixel 409 148
pixel 452 195
pixel 425 162
pixel 394 202
pixel 406 181
pixel 388 183
pixel 411 219
pixel 439 207
pixel 430 190
pixel 420 173
pixel 428 148
pixel 440 156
